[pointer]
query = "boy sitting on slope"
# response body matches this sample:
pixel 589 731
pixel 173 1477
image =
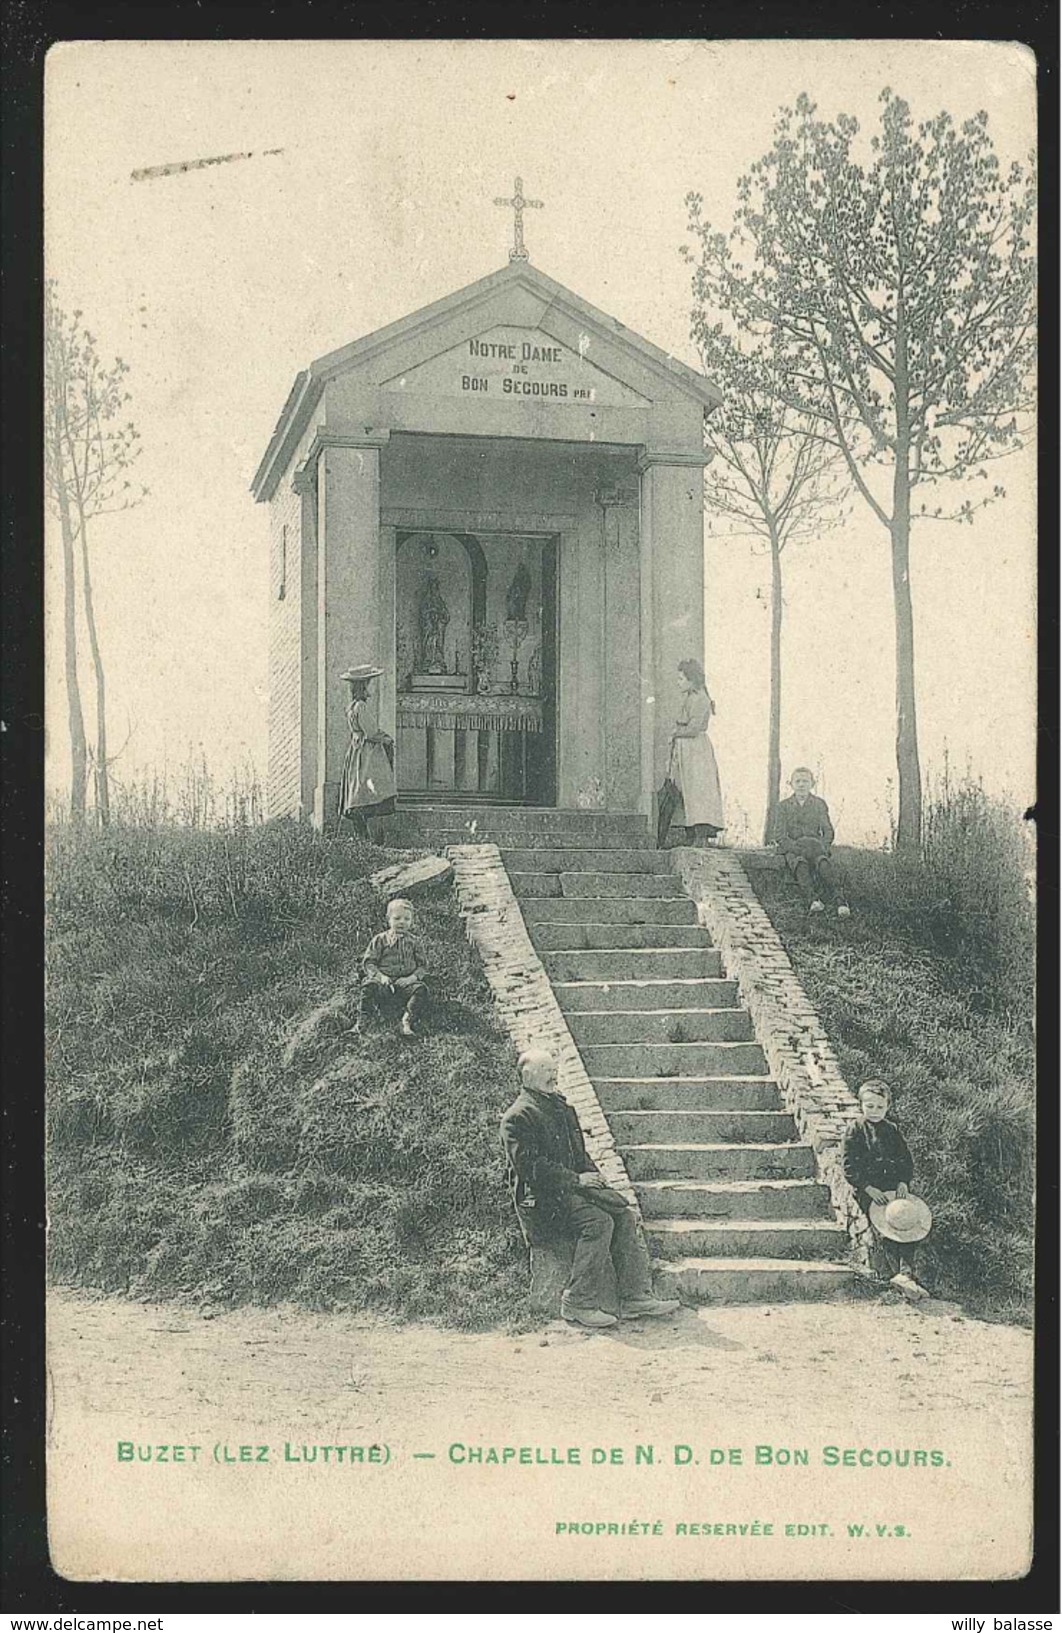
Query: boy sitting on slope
pixel 395 971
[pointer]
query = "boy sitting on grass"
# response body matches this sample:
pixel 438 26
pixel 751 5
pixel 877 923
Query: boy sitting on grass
pixel 395 972
pixel 803 833
pixel 879 1167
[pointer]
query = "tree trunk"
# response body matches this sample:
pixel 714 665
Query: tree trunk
pixel 909 822
pixel 909 772
pixel 774 732
pixel 101 772
pixel 75 714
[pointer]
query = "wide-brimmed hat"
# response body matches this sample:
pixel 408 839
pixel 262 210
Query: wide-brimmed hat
pixel 362 671
pixel 901 1219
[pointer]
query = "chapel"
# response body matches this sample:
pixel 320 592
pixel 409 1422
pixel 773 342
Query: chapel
pixel 499 501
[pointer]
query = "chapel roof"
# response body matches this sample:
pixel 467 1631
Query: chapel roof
pixel 676 377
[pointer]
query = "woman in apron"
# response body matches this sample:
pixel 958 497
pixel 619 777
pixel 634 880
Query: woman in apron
pixel 367 786
pixel 693 767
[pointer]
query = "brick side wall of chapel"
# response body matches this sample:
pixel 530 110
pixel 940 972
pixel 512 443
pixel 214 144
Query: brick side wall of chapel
pixel 283 783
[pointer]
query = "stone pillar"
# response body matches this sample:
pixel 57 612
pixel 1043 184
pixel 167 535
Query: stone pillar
pixel 621 752
pixel 672 581
pixel 304 483
pixel 388 683
pixel 348 600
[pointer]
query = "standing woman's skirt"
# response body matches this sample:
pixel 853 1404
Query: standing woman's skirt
pixel 367 786
pixel 697 776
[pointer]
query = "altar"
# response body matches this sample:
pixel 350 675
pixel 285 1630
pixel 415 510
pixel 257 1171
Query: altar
pixel 475 665
pixel 498 500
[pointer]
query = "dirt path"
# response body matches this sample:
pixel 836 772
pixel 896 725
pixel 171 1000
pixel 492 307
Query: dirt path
pixel 883 1375
pixel 309 1366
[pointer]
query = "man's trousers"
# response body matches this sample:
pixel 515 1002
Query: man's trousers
pixel 610 1265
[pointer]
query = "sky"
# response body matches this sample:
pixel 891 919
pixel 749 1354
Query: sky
pixel 217 285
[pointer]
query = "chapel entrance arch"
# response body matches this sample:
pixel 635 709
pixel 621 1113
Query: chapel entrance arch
pixel 476 666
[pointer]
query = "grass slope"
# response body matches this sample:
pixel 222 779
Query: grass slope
pixel 211 1134
pixel 930 985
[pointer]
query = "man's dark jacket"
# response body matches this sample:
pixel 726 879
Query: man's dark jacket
pixel 794 823
pixel 876 1154
pixel 546 1152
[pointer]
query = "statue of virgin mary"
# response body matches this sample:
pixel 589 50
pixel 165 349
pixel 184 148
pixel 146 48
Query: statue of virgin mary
pixel 433 616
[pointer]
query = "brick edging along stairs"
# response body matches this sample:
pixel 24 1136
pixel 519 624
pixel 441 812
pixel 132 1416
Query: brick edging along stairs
pixel 731 1201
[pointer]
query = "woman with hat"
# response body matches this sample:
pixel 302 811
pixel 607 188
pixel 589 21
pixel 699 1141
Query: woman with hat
pixel 367 786
pixel 879 1167
pixel 693 766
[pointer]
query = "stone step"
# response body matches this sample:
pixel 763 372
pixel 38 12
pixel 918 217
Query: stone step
pixel 691 1161
pixel 564 829
pixel 555 935
pixel 759 1199
pixel 673 1059
pixel 594 887
pixel 697 993
pixel 633 964
pixel 395 831
pixel 546 859
pixel 755 1281
pixel 609 910
pixel 722 1127
pixel 746 1239
pixel 535 886
pixel 686 1094
pixel 634 887
pixel 660 1026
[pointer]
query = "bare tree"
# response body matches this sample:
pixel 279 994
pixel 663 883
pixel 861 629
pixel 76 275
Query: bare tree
pixel 769 476
pixel 901 286
pixel 54 379
pixel 88 456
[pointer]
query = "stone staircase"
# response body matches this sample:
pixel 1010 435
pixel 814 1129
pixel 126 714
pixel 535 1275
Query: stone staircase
pixel 732 1209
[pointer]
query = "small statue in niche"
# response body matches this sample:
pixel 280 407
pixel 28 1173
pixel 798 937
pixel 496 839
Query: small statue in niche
pixel 516 620
pixel 433 616
pixel 516 600
pixel 534 672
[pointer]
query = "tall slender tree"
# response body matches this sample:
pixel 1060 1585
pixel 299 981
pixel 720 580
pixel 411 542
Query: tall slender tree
pixel 88 458
pixel 769 475
pixel 55 391
pixel 898 277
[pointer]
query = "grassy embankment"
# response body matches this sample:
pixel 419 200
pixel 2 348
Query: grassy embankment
pixel 209 1140
pixel 199 1149
pixel 930 985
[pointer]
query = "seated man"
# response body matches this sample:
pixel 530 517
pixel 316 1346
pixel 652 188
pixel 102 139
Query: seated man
pixel 803 833
pixel 394 971
pixel 559 1194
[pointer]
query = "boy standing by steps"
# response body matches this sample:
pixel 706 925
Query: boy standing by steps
pixel 803 833
pixel 394 971
pixel 558 1193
